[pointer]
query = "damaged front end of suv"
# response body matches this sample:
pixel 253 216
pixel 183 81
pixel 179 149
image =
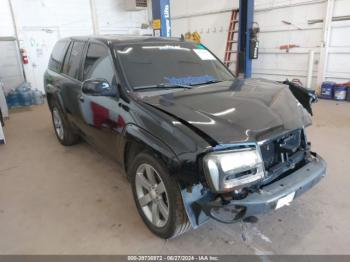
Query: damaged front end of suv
pixel 254 178
pixel 259 159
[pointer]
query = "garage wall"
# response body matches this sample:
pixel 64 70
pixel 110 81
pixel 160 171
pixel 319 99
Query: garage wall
pixel 210 20
pixel 338 66
pixel 283 23
pixel 40 23
pixel 274 63
pixel 6 27
pixel 112 18
pixel 71 17
pixel 11 72
pixel 68 17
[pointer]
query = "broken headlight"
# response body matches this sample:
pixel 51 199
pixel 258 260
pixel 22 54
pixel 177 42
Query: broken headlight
pixel 229 170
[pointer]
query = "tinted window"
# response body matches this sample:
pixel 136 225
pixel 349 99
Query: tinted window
pixel 73 58
pixel 57 55
pixel 149 64
pixel 66 59
pixel 98 64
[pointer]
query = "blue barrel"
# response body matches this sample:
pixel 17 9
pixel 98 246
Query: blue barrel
pixel 348 94
pixel 340 93
pixel 327 90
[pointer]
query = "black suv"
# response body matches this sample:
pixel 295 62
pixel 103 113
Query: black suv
pixel 195 142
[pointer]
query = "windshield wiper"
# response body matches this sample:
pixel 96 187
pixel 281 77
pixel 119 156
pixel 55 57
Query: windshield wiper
pixel 207 82
pixel 162 86
pixel 169 85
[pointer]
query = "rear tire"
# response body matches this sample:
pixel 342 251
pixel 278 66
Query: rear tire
pixel 62 128
pixel 2 122
pixel 160 194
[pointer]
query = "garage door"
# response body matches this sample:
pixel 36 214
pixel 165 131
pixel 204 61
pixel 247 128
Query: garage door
pixel 11 73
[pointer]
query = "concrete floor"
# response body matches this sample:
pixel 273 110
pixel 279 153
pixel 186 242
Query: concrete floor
pixel 58 200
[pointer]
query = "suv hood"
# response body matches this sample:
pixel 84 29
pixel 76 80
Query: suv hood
pixel 234 111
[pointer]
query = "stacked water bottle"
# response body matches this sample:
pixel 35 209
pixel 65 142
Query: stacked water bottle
pixel 24 95
pixel 332 90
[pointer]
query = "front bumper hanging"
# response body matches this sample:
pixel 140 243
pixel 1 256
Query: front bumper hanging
pixel 261 201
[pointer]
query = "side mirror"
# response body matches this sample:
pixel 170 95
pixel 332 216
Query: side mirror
pixel 98 87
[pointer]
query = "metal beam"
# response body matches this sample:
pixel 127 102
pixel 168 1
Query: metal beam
pixel 246 19
pixel 94 19
pixel 327 27
pixel 161 11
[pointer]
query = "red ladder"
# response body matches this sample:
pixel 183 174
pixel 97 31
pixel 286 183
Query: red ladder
pixel 232 40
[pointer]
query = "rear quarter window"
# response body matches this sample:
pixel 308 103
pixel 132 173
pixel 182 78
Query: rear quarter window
pixel 57 55
pixel 73 59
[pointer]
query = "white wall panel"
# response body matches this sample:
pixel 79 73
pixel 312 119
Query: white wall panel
pixel 112 18
pixel 70 17
pixel 273 4
pixel 338 65
pixel 303 39
pixel 193 7
pixel 341 8
pixel 212 26
pixel 6 26
pixel 340 35
pixel 273 17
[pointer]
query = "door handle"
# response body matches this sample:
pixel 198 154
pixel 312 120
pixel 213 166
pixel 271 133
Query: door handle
pixel 125 107
pixel 81 98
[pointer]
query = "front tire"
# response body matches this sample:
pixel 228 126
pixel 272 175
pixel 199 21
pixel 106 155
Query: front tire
pixel 157 197
pixel 63 131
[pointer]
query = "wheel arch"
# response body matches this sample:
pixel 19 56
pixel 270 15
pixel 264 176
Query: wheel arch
pixel 50 100
pixel 138 139
pixel 54 98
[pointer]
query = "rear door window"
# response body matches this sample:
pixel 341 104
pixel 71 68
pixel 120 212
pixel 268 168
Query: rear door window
pixel 98 64
pixel 72 61
pixel 57 55
pixel 66 59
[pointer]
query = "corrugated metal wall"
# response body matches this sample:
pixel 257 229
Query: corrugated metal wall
pixel 282 22
pixel 209 19
pixel 338 66
pixel 286 23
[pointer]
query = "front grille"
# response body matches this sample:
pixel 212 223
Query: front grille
pixel 279 149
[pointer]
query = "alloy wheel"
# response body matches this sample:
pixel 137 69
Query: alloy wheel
pixel 152 195
pixel 58 123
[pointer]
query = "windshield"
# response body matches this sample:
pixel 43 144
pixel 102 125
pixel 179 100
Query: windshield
pixel 148 65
